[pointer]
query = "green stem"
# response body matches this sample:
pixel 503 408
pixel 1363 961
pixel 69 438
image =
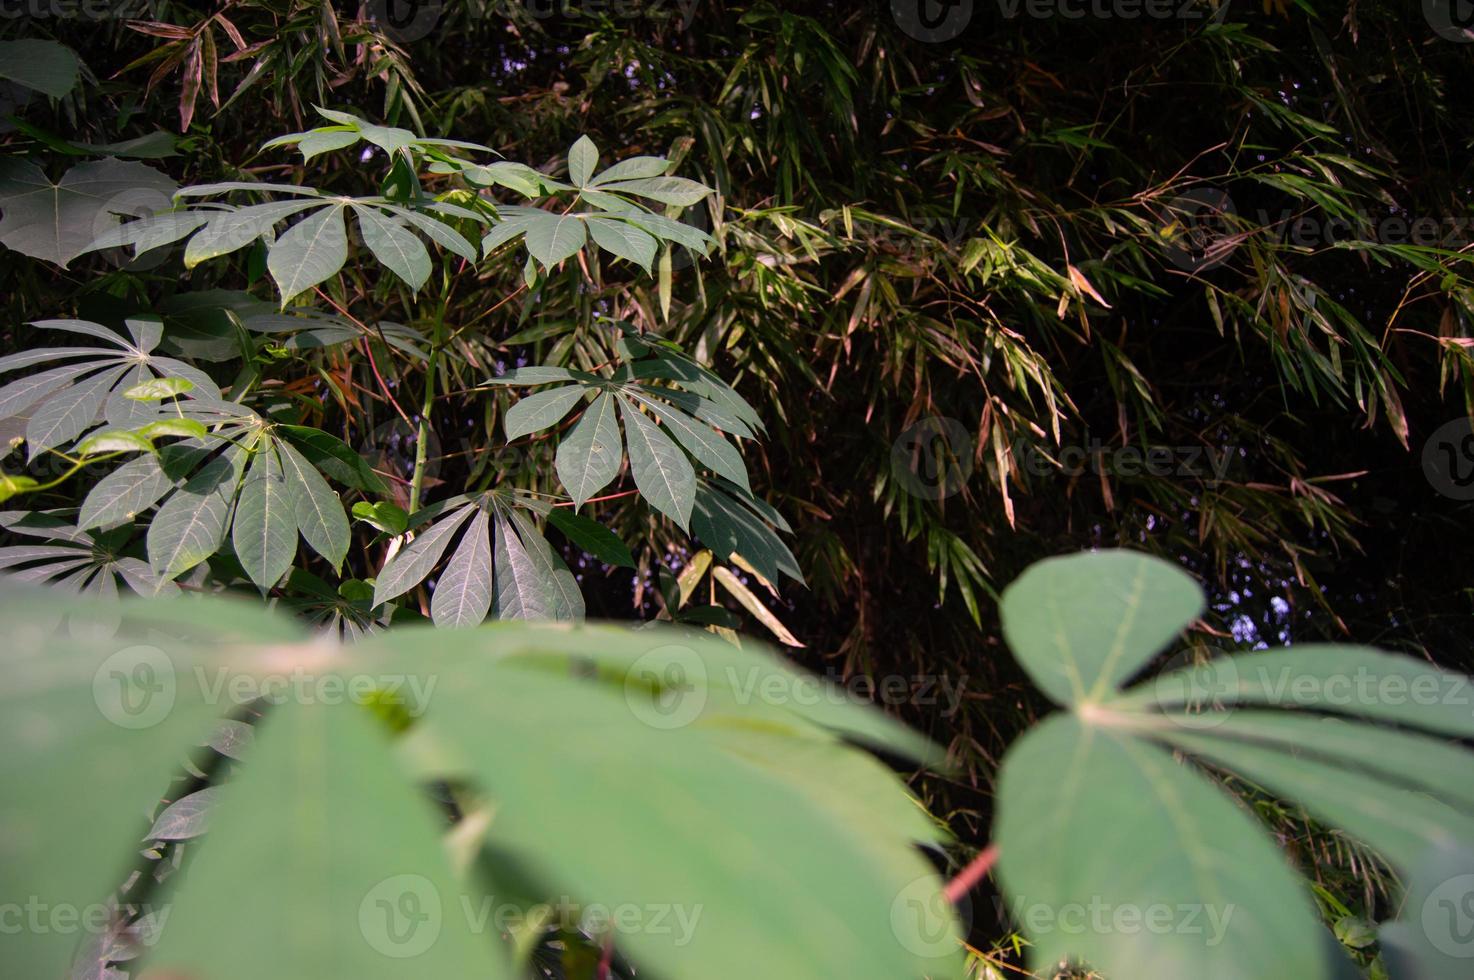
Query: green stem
pixel 422 438
pixel 427 401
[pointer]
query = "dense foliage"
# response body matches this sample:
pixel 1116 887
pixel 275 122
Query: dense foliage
pixel 818 321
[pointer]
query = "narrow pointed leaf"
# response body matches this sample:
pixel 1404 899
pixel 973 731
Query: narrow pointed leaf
pixel 661 470
pixel 394 245
pixel 406 569
pixel 316 507
pixel 464 590
pixel 190 525
pixel 521 591
pixel 588 458
pixel 265 530
pixel 534 413
pixel 562 587
pixel 592 537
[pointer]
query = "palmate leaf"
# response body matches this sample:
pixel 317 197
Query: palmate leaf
pixel 79 562
pixel 502 567
pixel 310 251
pixel 1081 626
pixel 58 221
pixel 723 820
pixel 241 479
pixel 90 387
pixel 43 66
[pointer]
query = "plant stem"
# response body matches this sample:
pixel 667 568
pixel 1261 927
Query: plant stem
pixel 427 401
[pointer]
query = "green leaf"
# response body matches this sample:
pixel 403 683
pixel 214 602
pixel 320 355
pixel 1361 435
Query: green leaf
pixel 588 458
pixel 113 441
pixel 231 230
pixel 1401 824
pixel 662 472
pixel 43 66
pixel 105 722
pixel 531 376
pixel 316 508
pixel 65 415
pixel 59 221
pixel 670 230
pixel 387 517
pixel 551 238
pixel 583 157
pixel 335 458
pixel 533 413
pixel 265 529
pixel 440 233
pixel 703 442
pixel 310 252
pixel 406 570
pixel 124 493
pixel 724 577
pixel 395 246
pixel 623 240
pixel 1431 941
pixel 667 190
pixel 730 527
pixel 324 141
pixel 360 886
pixel 184 818
pixel 11 485
pixel 463 591
pixel 1181 859
pixel 158 389
pixel 560 585
pixel 181 428
pixel 758 915
pixel 633 168
pixel 521 591
pixel 1339 679
pixel 1083 624
pixel 190 525
pixel 592 537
